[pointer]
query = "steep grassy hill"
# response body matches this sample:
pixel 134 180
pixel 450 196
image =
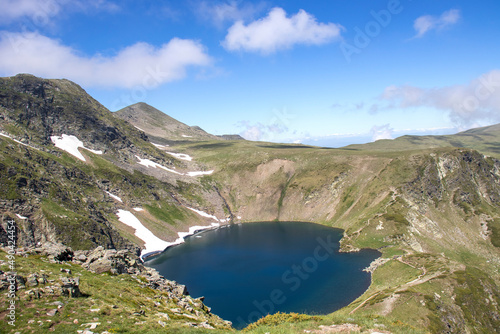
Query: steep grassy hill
pixel 431 209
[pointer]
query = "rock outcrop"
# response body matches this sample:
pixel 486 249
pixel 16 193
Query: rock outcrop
pixel 38 285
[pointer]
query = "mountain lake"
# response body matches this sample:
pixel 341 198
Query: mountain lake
pixel 246 271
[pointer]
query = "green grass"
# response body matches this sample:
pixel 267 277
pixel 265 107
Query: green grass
pixel 476 293
pixel 69 224
pixel 494 227
pixel 167 213
pixel 385 278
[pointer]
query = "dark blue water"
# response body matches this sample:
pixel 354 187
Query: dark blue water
pixel 247 271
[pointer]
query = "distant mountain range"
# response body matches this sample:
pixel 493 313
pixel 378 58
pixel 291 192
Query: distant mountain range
pixel 76 173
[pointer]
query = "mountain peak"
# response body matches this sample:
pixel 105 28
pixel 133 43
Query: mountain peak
pixel 160 126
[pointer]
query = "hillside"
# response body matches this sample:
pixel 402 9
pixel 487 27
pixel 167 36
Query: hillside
pixel 485 140
pixel 432 211
pixel 75 200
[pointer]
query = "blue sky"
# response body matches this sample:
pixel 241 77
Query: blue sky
pixel 325 73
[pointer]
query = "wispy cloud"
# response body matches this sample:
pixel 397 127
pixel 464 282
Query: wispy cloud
pixel 382 132
pixel 276 32
pixel 139 64
pixel 426 23
pixel 222 12
pixel 278 124
pixel 468 105
pixel 376 132
pixel 164 11
pixel 348 107
pixel 258 131
pixel 43 11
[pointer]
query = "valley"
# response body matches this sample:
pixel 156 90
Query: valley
pixel 429 205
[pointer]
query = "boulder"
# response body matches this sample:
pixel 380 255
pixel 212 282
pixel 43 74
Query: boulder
pixel 52 312
pixel 67 271
pixel 32 280
pixel 70 287
pixel 181 290
pixel 102 260
pixel 56 251
pixel 80 256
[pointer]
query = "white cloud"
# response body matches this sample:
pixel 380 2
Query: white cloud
pixel 139 64
pixel 468 105
pixel 42 11
pixel 227 11
pixel 15 9
pixel 276 31
pixel 259 131
pixel 382 132
pixel 252 132
pixel 426 23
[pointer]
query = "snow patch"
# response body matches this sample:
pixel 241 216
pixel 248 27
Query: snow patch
pixel 200 173
pixel 138 209
pixel 186 136
pixel 21 217
pixel 181 156
pixel 149 163
pixel 114 196
pixel 17 141
pixel 194 229
pixel 159 146
pixel 203 214
pixel 71 144
pixel 138 128
pixel 153 244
